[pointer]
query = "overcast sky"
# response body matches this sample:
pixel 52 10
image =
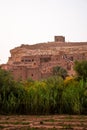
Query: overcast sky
pixel 35 21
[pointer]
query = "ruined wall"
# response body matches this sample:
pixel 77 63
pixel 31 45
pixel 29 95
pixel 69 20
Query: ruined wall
pixel 37 61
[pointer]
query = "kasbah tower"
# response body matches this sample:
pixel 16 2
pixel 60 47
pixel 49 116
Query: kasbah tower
pixel 37 61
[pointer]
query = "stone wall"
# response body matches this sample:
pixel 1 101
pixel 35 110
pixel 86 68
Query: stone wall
pixel 37 61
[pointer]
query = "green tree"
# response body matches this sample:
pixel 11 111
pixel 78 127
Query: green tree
pixel 81 69
pixel 6 84
pixel 70 100
pixel 59 71
pixel 73 97
pixel 55 86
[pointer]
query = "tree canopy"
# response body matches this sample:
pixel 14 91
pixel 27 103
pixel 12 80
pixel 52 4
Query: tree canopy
pixel 59 71
pixel 54 95
pixel 81 69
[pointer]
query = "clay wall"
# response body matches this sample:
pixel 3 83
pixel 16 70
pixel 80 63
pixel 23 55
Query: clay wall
pixel 19 73
pixel 33 73
pixel 37 61
pixel 44 65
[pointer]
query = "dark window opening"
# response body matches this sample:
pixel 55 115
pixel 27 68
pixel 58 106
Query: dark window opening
pixel 22 60
pixel 45 59
pixel 32 75
pixel 26 60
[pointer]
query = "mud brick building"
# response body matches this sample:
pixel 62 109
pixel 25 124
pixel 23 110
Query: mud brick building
pixel 37 61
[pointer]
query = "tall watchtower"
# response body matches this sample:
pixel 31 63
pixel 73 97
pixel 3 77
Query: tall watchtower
pixel 59 39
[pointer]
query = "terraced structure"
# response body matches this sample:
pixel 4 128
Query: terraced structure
pixel 51 122
pixel 37 61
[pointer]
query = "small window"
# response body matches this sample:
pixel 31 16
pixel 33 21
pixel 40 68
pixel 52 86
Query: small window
pixel 22 60
pixel 32 75
pixel 45 59
pixel 29 60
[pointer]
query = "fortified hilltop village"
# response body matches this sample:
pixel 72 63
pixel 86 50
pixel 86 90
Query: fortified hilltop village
pixel 37 61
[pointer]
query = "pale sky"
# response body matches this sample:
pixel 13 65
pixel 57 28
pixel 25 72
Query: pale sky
pixel 35 21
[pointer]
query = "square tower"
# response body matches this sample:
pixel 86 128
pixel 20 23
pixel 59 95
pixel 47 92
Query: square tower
pixel 59 39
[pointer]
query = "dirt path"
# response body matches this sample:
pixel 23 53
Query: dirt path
pixel 52 122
